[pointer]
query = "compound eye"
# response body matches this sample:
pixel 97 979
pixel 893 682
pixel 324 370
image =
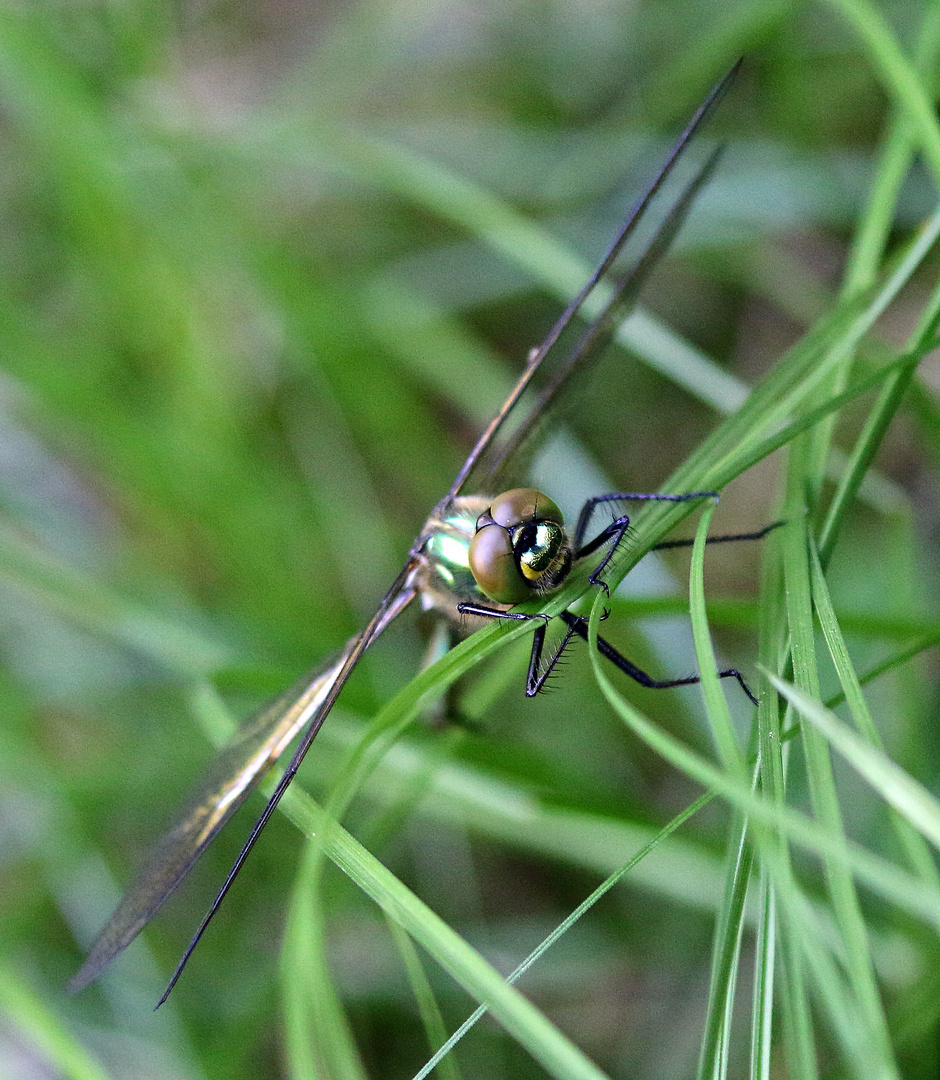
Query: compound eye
pixel 520 540
pixel 494 567
pixel 522 505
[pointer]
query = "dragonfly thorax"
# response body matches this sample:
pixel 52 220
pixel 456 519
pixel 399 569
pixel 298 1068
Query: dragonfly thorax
pixel 502 549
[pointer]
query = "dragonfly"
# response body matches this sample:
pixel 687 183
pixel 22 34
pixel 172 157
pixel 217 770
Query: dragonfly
pixel 478 556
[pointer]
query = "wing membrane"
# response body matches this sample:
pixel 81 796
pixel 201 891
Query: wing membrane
pixel 231 777
pixel 502 437
pixel 615 307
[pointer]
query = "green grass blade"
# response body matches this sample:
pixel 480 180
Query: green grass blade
pixel 34 1022
pixel 523 1021
pixel 431 1017
pixel 319 1038
pixel 716 706
pixel 762 1008
pixel 873 1049
pixel 910 839
pixel 896 786
pixel 899 75
pixel 570 921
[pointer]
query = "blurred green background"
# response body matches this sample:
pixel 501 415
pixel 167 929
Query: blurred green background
pixel 259 289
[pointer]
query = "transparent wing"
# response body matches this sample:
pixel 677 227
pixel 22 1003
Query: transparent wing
pixel 550 368
pixel 231 777
pixel 229 780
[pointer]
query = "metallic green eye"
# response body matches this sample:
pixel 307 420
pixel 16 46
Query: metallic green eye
pixel 519 547
pixel 537 548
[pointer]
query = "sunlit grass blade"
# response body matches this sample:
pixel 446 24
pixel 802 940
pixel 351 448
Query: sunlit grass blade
pixel 883 877
pixel 726 954
pixel 566 925
pixel 847 913
pixel 762 1005
pixel 713 1062
pixel 521 1019
pixel 892 782
pixel 806 936
pixel 716 706
pixel 910 839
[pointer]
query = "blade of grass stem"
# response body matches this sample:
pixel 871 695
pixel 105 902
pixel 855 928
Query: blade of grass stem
pixel 847 915
pixel 893 783
pixel 519 1017
pixel 567 923
pixel 427 1004
pixel 910 839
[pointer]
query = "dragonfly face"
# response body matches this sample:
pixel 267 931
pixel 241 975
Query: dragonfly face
pixel 476 558
pixel 502 551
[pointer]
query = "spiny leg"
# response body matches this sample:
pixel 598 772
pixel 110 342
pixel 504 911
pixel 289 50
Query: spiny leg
pixel 577 624
pixel 617 529
pixel 534 679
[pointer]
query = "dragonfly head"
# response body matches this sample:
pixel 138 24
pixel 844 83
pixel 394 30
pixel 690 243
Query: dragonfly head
pixel 520 547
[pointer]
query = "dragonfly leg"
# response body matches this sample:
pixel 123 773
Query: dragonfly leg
pixel 497 613
pixel 615 532
pixel 587 511
pixel 534 679
pixel 618 528
pixel 592 503
pixel 758 534
pixel 577 624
